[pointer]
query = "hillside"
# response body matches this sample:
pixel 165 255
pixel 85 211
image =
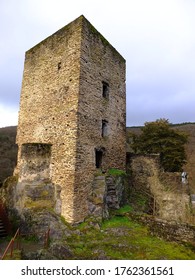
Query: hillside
pixel 189 128
pixel 8 152
pixel 190 150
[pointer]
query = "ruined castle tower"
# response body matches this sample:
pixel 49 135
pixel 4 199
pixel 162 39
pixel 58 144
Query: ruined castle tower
pixel 72 114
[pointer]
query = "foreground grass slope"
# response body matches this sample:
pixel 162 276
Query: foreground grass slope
pixel 123 238
pixel 118 238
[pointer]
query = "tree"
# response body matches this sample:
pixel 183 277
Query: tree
pixel 159 138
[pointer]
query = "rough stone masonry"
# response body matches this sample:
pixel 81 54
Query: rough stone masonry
pixel 72 117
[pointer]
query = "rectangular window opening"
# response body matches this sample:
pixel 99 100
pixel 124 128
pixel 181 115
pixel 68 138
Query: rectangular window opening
pixel 98 158
pixel 105 90
pixel 59 66
pixel 104 128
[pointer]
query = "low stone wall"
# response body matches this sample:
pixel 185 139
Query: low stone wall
pixel 168 230
pixel 173 231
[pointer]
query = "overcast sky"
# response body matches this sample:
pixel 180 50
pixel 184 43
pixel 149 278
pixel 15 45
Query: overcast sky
pixel 156 37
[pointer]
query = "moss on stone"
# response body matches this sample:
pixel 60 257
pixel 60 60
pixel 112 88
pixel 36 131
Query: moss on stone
pixel 116 172
pixel 10 181
pixel 38 204
pixel 69 226
pixel 44 193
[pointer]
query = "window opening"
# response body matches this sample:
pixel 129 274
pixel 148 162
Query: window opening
pixel 105 90
pixel 59 65
pixel 98 158
pixel 104 128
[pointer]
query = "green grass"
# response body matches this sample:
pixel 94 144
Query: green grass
pixel 116 172
pixel 122 210
pixel 16 255
pixel 122 238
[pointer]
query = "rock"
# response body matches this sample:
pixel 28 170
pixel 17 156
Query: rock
pixel 38 255
pixel 100 255
pixel 61 251
pixel 115 189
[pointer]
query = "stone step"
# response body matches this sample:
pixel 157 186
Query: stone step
pixel 3 232
pixel 2 226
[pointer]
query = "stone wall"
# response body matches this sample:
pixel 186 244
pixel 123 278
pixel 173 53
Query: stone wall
pixel 167 197
pixel 107 193
pixel 73 85
pixel 100 64
pixel 169 230
pixel 35 162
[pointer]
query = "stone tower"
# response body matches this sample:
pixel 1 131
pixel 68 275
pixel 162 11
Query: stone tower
pixel 72 117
